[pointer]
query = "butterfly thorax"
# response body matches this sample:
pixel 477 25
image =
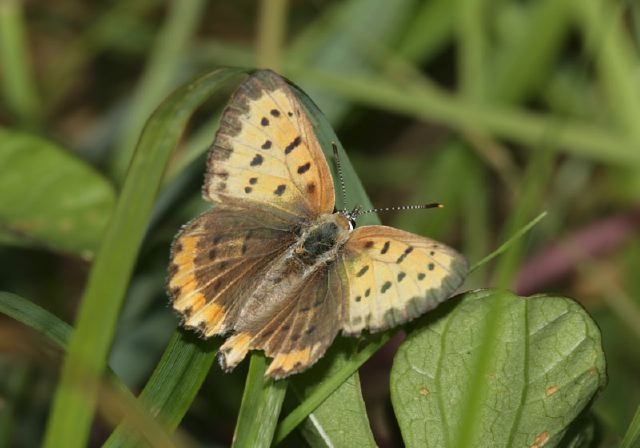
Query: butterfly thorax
pixel 320 240
pixel 317 245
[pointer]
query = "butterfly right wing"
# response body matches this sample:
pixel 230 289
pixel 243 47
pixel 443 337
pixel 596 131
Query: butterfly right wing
pixel 394 276
pixel 217 259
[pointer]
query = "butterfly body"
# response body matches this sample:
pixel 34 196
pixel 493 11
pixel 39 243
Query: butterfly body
pixel 272 264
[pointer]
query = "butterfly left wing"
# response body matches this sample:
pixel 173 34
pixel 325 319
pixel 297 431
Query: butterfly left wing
pixel 216 260
pixel 266 152
pixel 394 276
pixel 298 333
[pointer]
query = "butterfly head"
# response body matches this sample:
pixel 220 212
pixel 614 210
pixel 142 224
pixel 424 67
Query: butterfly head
pixel 351 215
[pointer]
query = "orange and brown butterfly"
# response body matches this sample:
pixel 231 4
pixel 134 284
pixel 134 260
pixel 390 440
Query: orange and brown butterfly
pixel 273 264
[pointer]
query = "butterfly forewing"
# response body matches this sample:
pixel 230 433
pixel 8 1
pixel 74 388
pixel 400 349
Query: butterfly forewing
pixel 266 152
pixel 393 276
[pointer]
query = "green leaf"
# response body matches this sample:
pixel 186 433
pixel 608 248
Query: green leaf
pixel 73 408
pixel 497 370
pixel 341 420
pixel 49 197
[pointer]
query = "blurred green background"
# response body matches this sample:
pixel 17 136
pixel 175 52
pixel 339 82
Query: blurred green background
pixel 499 109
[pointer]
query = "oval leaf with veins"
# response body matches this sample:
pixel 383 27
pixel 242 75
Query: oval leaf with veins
pixel 497 370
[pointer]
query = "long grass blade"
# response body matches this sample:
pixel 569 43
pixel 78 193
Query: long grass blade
pixel 73 408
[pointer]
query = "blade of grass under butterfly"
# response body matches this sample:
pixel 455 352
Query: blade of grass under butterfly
pixel 72 410
pixel 260 408
pixel 121 403
pixel 172 386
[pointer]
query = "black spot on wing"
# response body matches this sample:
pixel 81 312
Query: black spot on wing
pixel 401 275
pixel 275 112
pixel 264 121
pixel 293 145
pixel 367 292
pixel 257 160
pixel 431 266
pixel 385 247
pixel 362 271
pixel 304 168
pixel 406 252
pixel 421 276
pixel 280 190
pixel 248 190
pixel 266 144
pixel 311 188
pixel 253 180
pixel 385 287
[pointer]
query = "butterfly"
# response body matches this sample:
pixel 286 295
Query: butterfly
pixel 273 265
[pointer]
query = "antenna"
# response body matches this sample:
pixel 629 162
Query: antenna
pixel 357 213
pixel 336 157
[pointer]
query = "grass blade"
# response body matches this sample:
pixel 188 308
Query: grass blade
pixel 505 246
pixel 117 401
pixel 158 77
pixel 73 410
pixel 632 437
pixel 172 386
pixel 18 83
pixel 261 403
pixel 427 102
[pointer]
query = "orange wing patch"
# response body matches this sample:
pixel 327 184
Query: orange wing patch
pixel 297 334
pixel 216 260
pixel 395 276
pixel 266 152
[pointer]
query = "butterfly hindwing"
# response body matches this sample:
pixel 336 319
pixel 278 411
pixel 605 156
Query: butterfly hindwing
pixel 266 152
pixel 394 276
pixel 216 260
pixel 298 333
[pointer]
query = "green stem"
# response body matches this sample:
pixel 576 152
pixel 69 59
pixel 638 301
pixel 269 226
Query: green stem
pixel 18 81
pixel 159 75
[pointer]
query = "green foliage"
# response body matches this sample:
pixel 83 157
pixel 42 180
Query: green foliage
pixel 536 107
pixel 458 382
pixel 65 205
pixel 74 402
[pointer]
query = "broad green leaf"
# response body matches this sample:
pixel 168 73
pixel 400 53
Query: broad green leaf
pixel 497 370
pixel 49 197
pixel 73 409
